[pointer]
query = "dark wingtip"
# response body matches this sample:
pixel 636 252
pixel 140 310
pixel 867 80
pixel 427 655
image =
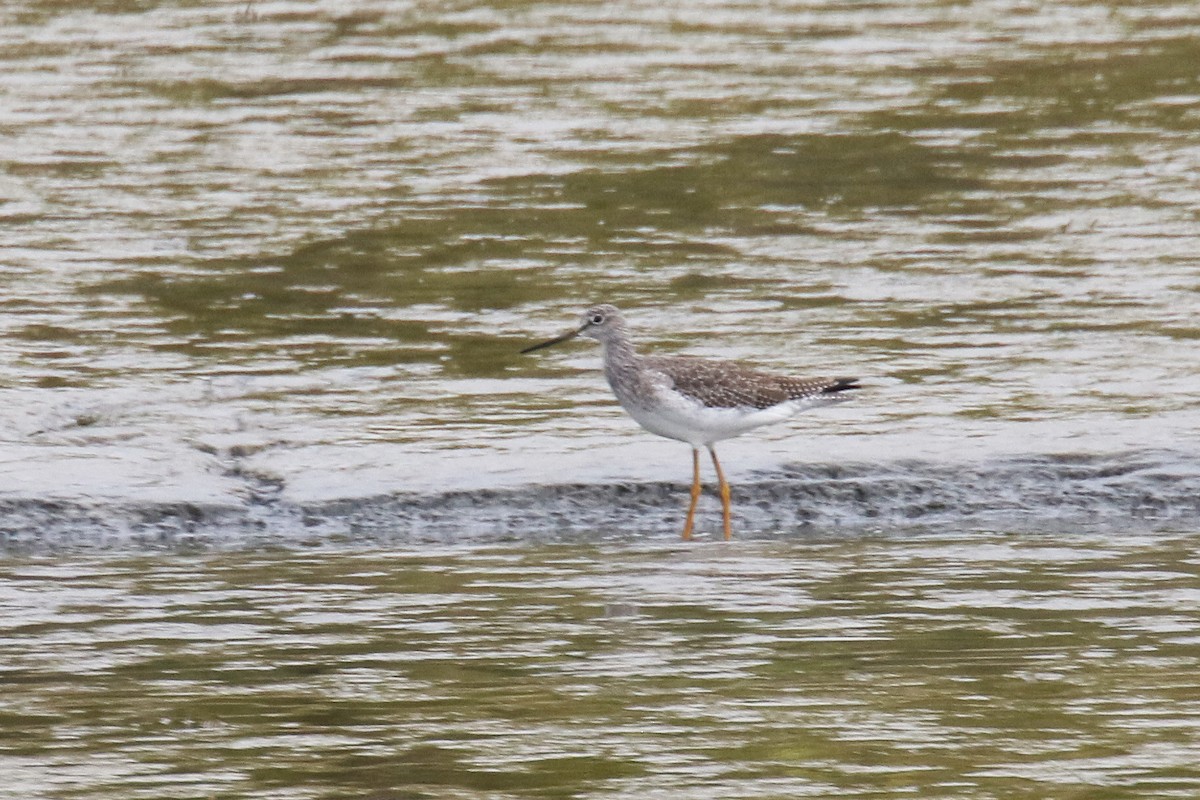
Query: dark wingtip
pixel 841 385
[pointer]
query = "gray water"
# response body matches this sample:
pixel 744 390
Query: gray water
pixel 284 513
pixel 276 256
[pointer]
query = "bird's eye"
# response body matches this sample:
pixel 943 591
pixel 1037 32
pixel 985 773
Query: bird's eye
pixel 597 319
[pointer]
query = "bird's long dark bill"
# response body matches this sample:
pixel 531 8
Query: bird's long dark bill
pixel 556 340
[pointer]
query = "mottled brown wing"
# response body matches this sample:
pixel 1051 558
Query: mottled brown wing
pixel 727 384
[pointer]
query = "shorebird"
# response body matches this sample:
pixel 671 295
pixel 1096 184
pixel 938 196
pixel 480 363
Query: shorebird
pixel 699 401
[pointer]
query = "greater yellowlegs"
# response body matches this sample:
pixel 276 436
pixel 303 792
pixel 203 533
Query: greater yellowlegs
pixel 696 400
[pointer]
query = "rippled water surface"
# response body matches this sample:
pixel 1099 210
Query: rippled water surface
pixel 290 250
pixel 955 666
pixel 284 513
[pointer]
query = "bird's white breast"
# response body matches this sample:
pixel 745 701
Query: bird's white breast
pixel 678 417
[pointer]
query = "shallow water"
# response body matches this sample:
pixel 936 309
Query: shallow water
pixel 289 251
pixel 985 665
pixel 266 271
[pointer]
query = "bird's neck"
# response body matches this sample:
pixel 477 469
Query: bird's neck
pixel 619 356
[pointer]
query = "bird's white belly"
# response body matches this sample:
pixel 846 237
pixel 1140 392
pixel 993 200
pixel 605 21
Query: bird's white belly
pixel 678 417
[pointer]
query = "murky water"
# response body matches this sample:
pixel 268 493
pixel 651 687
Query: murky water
pixel 974 666
pixel 287 252
pixel 266 270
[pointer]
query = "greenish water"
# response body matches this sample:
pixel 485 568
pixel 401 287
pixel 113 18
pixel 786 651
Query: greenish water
pixel 266 269
pixel 303 243
pixel 950 666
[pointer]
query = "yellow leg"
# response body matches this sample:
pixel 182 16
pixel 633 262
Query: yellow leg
pixel 725 504
pixel 691 515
